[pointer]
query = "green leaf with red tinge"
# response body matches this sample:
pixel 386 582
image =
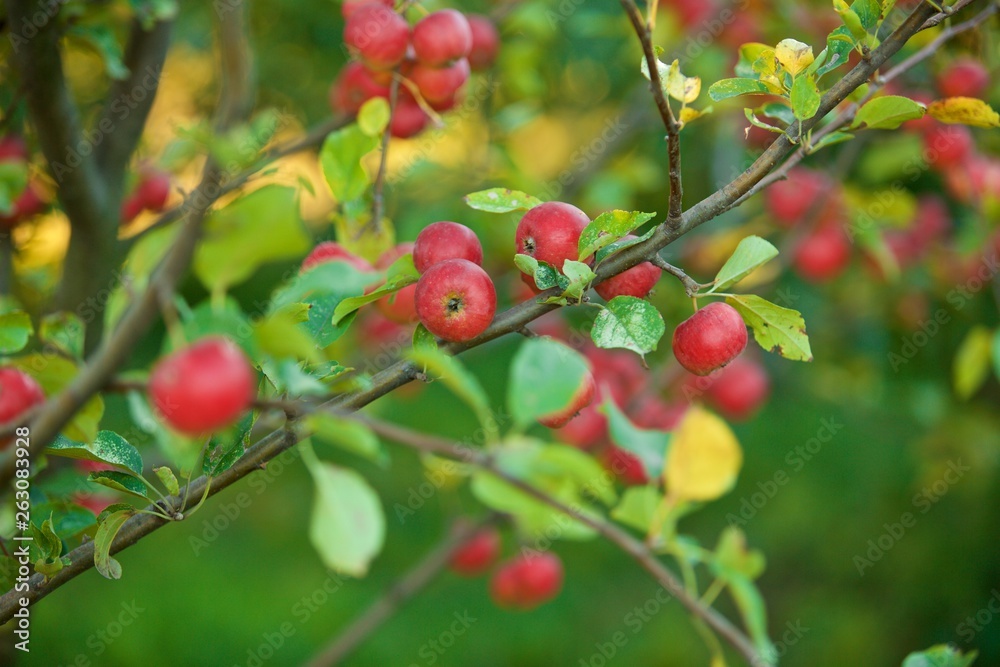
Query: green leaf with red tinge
pixel 776 329
pixel 501 200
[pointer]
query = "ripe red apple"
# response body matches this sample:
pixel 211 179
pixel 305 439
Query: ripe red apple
pixel 625 465
pixel 651 412
pixel 966 77
pixel 204 387
pixel 377 35
pixel 348 7
pixel 526 582
pixel 583 397
pixel 456 300
pixel 485 42
pixel 822 255
pixel 440 241
pixel 740 389
pixel 586 430
pixel 400 307
pixel 441 37
pixel 19 393
pixel 328 251
pixel 131 208
pixel 13 149
pixel 637 281
pixel 790 199
pixel 550 233
pixel 154 189
pixel 478 554
pixel 353 87
pixel 439 84
pixel 947 146
pixel 710 339
pixel 408 119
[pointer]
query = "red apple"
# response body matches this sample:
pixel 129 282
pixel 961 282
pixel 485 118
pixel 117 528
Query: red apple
pixel 625 465
pixel 441 37
pixel 154 189
pixel 204 387
pixel 438 85
pixel 637 281
pixel 19 393
pixel 348 7
pixel 400 307
pixel 583 397
pixel 822 255
pixel 27 205
pixel 377 35
pixel 947 146
pixel 618 372
pixel 328 251
pixel 131 208
pixel 790 199
pixel 13 149
pixel 525 582
pixel 456 300
pixel 739 390
pixel 586 430
pixel 440 241
pixel 408 119
pixel 478 554
pixel 966 77
pixel 710 339
pixel 550 232
pixel 651 412
pixel 485 42
pixel 354 87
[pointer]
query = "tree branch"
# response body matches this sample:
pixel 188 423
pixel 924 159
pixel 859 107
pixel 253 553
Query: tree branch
pixel 411 583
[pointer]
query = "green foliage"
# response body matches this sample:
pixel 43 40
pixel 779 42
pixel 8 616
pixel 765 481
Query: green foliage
pixel 776 329
pixel 459 380
pixel 501 200
pixel 630 323
pixel 545 376
pixel 54 374
pixel 751 253
pixel 108 447
pixel 15 330
pixel 887 112
pixel 106 533
pixel 609 227
pixel 648 445
pixel 340 160
pixel 347 434
pixel 941 655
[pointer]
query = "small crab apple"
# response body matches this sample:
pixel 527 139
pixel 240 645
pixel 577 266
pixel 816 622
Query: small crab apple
pixel 583 397
pixel 400 307
pixel 485 42
pixel 353 87
pixel 19 392
pixel 586 430
pixel 377 35
pixel 440 241
pixel 441 37
pixel 966 77
pixel 526 582
pixel 408 119
pixel 439 84
pixel 637 281
pixel 625 465
pixel 740 389
pixel 13 149
pixel 822 255
pixel 456 300
pixel 329 251
pixel 478 554
pixel 203 387
pixel 710 339
pixel 788 200
pixel 154 189
pixel 947 146
pixel 348 7
pixel 550 233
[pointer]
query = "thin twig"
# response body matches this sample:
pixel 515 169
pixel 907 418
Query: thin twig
pixel 691 286
pixel 378 202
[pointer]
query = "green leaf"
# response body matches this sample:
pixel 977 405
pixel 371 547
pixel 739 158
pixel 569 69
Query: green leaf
pixel 459 380
pixel 996 354
pixel 112 508
pixel 838 46
pixel 322 288
pixel 830 140
pixel 756 122
pixel 373 117
pixel 887 112
pixel 340 161
pixel 648 445
pixel 868 11
pixel 120 481
pixel 400 274
pixel 261 227
pixel 108 447
pixel 580 275
pixel 15 330
pixel 638 507
pixel 738 567
pixel 67 518
pixel 751 253
pixel 851 19
pixel 347 527
pixel 422 338
pixel 545 377
pixel 226 448
pixel 609 227
pixel 168 479
pixel 545 275
pixel 972 361
pixel 54 374
pixel 46 540
pixel 775 329
pixel 217 319
pixel 617 246
pixel 348 434
pixel 13 181
pixel 101 38
pixel 727 88
pixel 805 97
pixel 150 11
pixel 106 532
pixel 281 336
pixel 940 655
pixel 63 331
pixel 630 323
pixel 501 200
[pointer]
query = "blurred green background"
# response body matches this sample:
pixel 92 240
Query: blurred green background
pixel 567 73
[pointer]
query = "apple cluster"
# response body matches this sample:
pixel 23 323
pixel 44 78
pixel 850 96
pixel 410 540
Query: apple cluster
pixel 521 583
pixel 150 194
pixel 30 202
pixel 433 59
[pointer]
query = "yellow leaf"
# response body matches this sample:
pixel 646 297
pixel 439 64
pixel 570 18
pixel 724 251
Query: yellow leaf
pixel 766 67
pixel 793 55
pixel 704 457
pixel 972 361
pixel 688 114
pixel 682 88
pixel 964 111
